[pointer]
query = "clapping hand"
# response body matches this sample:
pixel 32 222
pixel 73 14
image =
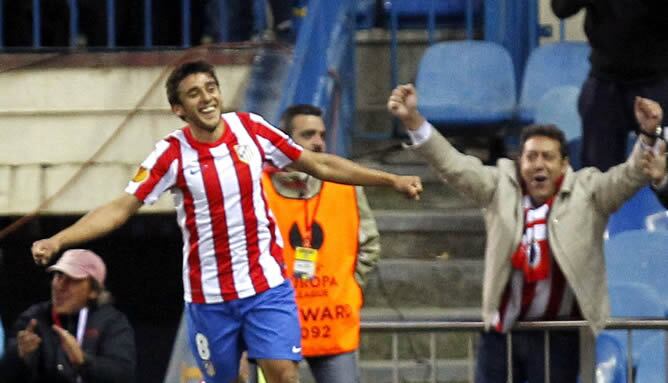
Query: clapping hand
pixel 70 345
pixel 28 340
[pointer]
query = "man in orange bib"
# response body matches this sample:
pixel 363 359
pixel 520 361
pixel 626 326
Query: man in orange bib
pixel 331 243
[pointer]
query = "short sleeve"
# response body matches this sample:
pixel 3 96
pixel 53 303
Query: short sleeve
pixel 157 173
pixel 279 149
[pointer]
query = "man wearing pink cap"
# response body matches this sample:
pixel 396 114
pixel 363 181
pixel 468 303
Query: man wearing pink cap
pixel 77 336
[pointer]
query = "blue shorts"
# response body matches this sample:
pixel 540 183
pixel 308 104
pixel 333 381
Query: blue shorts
pixel 266 325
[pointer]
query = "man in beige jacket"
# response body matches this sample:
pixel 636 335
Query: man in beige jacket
pixel 545 223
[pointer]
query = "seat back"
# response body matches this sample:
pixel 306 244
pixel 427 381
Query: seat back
pixel 466 82
pixel 639 256
pixel 633 214
pixel 651 361
pixel 657 221
pixel 610 360
pixel 634 300
pixel 549 66
pixel 559 106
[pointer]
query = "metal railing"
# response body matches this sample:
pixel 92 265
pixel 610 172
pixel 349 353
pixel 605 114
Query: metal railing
pixel 112 26
pixel 587 353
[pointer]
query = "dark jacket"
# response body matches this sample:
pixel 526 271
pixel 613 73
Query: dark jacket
pixel 108 344
pixel 629 38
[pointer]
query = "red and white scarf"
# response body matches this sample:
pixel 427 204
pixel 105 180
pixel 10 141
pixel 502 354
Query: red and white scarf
pixel 537 289
pixel 533 256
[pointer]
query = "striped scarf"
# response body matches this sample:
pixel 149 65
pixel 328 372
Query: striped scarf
pixel 533 253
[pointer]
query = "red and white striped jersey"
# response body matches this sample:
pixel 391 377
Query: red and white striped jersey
pixel 232 247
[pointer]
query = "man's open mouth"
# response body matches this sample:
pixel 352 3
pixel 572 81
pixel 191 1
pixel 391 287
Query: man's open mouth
pixel 540 178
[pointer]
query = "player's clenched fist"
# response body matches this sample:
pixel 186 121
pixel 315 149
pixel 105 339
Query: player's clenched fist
pixel 43 250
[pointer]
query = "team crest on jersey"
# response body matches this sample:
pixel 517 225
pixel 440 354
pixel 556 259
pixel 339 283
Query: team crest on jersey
pixel 244 152
pixel 141 175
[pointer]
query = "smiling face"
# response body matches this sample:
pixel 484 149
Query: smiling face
pixel 69 295
pixel 200 102
pixel 541 165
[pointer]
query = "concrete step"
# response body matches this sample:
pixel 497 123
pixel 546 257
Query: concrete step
pixel 448 218
pixel 432 245
pixel 453 352
pixel 442 224
pixel 414 349
pixel 408 371
pixel 374 121
pixel 416 371
pixel 410 283
pixel 434 197
pixel 438 234
pixel 436 193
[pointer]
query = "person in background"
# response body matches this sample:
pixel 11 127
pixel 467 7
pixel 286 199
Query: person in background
pixel 240 16
pixel 629 58
pixel 332 242
pixel 77 335
pixel 544 223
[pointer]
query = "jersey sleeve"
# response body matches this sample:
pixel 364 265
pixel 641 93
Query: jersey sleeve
pixel 278 148
pixel 157 173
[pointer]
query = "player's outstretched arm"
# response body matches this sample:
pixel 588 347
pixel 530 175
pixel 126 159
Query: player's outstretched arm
pixel 329 167
pixel 96 223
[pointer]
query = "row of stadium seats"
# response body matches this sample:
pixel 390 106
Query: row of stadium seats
pixel 637 286
pixel 467 84
pixel 472 83
pixel 636 268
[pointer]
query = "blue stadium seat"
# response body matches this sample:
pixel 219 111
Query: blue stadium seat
pixel 634 300
pixel 657 221
pixel 549 66
pixel 633 214
pixel 559 106
pixel 610 360
pixel 651 363
pixel 639 256
pixel 466 83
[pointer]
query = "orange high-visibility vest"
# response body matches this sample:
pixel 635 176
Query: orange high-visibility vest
pixel 329 303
